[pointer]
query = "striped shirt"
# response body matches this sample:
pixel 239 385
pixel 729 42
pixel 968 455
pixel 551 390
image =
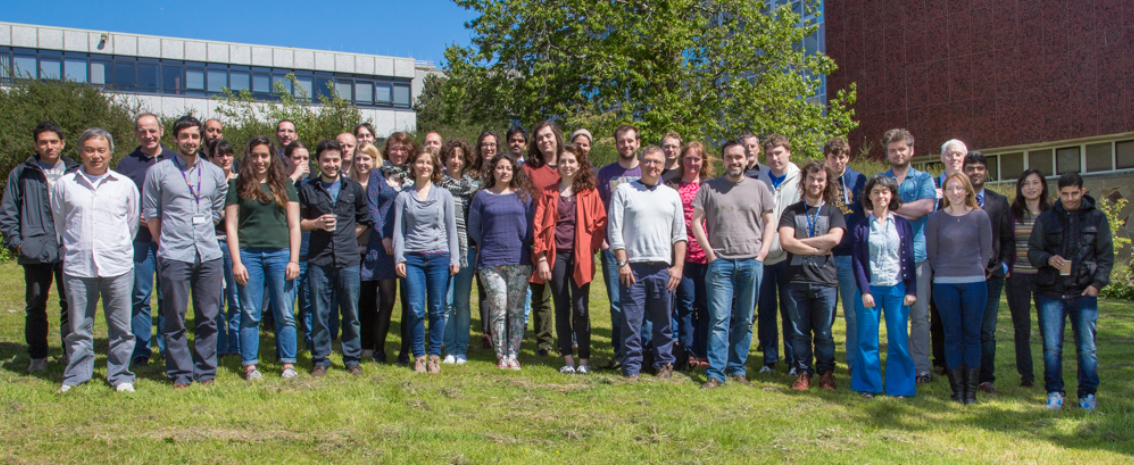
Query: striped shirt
pixel 1023 233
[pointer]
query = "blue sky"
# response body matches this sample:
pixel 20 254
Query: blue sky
pixel 421 29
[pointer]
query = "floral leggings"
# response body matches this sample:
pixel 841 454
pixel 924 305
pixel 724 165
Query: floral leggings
pixel 506 286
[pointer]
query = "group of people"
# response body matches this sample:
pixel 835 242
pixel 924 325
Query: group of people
pixel 686 256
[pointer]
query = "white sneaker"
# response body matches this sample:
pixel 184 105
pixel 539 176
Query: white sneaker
pixel 461 360
pixel 513 363
pixel 289 373
pixel 38 365
pixel 124 387
pixel 449 359
pixel 64 388
pixel 1054 401
pixel 765 369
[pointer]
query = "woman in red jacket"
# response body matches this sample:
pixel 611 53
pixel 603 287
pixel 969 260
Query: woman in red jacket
pixel 570 224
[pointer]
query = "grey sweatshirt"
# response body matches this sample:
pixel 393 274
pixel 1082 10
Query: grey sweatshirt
pixel 958 246
pixel 425 226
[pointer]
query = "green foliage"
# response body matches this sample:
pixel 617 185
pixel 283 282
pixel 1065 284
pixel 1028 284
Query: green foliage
pixel 1122 276
pixel 708 70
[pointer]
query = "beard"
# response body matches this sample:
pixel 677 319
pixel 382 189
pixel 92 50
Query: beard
pixel 627 157
pixel 736 171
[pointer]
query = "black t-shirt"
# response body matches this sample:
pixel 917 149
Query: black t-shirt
pixel 808 269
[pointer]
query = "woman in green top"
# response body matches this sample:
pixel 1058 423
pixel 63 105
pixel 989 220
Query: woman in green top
pixel 262 223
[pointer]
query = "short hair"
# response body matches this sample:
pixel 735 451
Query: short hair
pixel 830 191
pixel 215 119
pixel 47 126
pixel 732 143
pixel 975 157
pixel 434 158
pixel 945 146
pixel 1069 180
pixel 887 182
pixel 94 133
pixel 148 115
pixel 282 121
pixel 328 144
pixel 897 135
pixel 398 138
pixel 837 146
pixel 514 130
pixel 186 122
pixel 368 127
pixel 450 148
pixel 776 140
pixel 295 145
pixel 748 135
pixel 623 128
pixel 221 147
pixel 672 135
pixel 970 195
pixel 651 149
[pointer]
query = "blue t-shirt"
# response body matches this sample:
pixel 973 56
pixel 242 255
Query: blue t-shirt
pixel 849 202
pixel 777 180
pixel 917 185
pixel 333 188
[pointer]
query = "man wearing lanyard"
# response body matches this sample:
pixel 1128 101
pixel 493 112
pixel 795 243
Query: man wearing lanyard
pixel 809 230
pixel 182 201
pixel 836 153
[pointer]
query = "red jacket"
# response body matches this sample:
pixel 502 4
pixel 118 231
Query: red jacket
pixel 590 230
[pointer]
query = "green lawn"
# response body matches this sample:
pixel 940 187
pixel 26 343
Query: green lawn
pixel 478 414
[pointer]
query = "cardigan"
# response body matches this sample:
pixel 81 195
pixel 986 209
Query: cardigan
pixel 590 230
pixel 860 255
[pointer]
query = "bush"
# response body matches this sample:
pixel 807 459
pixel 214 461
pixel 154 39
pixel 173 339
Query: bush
pixel 1122 276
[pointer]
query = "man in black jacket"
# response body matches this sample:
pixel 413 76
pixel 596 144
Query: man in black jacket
pixel 29 232
pixel 1072 246
pixel 998 268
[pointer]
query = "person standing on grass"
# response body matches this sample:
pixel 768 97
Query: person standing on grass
pixel 885 281
pixel 426 253
pixel 1071 244
pixel 485 149
pixel 262 224
pixel 285 134
pixel 1031 200
pixel 297 160
pixel 517 139
pixel 433 141
pixel 848 184
pixel 953 153
pixel 350 149
pixel 364 162
pixel 228 327
pixel 569 226
pixel 647 235
pixel 671 145
pixel 583 140
pixel 624 170
pixel 959 285
pixel 543 156
pixel 333 208
pixel 500 219
pixel 692 311
pixel 365 134
pixel 733 218
pixel 457 157
pixel 182 201
pixel 754 168
pixel 96 214
pixel 29 233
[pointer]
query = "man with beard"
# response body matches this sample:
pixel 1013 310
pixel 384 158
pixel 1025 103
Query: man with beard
pixel 626 169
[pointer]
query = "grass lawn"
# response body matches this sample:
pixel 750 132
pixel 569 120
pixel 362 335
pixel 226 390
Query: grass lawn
pixel 478 414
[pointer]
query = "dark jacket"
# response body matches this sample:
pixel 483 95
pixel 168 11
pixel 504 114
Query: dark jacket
pixel 25 214
pixel 1082 236
pixel 1003 233
pixel 338 249
pixel 860 257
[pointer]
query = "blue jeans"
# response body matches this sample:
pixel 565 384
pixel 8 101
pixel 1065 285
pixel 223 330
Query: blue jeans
pixel 647 299
pixel 773 282
pixel 267 270
pixel 988 330
pixel 1084 315
pixel 613 295
pixel 141 320
pixel 730 325
pixel 427 284
pixel 811 309
pixel 962 312
pixel 692 310
pixel 900 372
pixel 330 284
pixel 228 326
pixel 458 318
pixel 847 289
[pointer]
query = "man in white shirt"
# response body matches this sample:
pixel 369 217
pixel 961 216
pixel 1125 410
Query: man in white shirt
pixel 96 212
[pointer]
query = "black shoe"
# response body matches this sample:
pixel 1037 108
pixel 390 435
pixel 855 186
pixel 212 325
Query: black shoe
pixel 612 365
pixel 956 383
pixel 140 362
pixel 380 358
pixel 972 375
pixel 403 359
pixel 543 353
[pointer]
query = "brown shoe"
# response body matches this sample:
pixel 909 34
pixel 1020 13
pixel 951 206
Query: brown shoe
pixel 802 383
pixel 987 387
pixel 419 365
pixel 742 380
pixel 666 371
pixel 634 378
pixel 434 364
pixel 207 383
pixel 355 370
pixel 319 371
pixel 712 383
pixel 827 381
pixel 180 385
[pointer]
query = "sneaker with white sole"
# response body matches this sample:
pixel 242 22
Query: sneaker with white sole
pixel 1054 401
pixel 253 375
pixel 567 370
pixel 124 387
pixel 461 360
pixel 38 365
pixel 583 370
pixel 289 373
pixel 1088 403
pixel 513 363
pixel 64 388
pixel 449 359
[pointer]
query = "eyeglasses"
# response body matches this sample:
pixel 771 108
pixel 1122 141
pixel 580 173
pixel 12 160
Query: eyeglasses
pixel 488 144
pixel 653 162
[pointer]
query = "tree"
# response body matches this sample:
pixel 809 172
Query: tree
pixel 706 69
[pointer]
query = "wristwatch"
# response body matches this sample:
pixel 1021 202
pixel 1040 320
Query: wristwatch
pixel 623 262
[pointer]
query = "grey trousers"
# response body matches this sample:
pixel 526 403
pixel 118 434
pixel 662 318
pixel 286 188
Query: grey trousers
pixel 83 294
pixel 919 344
pixel 206 280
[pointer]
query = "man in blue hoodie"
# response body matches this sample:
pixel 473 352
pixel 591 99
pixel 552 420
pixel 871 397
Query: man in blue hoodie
pixel 836 154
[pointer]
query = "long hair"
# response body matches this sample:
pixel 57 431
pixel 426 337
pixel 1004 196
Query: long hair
pixel 401 138
pixel 1020 204
pixel 478 158
pixel 535 156
pixel 708 162
pixel 585 178
pixel 830 192
pixel 248 186
pixel 450 148
pixel 970 194
pixel 434 159
pixel 371 151
pixel 519 183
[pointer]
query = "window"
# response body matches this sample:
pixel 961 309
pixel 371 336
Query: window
pixel 5 64
pixel 75 69
pixel 239 80
pixel 172 79
pixel 261 83
pixel 124 75
pixel 1124 154
pixel 364 92
pixel 1067 160
pixel 1011 165
pixel 148 76
pixel 1099 157
pixel 278 79
pixel 343 88
pixel 401 95
pixel 304 86
pixel 99 71
pixel 218 79
pixel 383 94
pixel 1041 160
pixel 993 172
pixel 24 66
pixel 194 79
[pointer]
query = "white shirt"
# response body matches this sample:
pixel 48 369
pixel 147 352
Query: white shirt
pixel 645 221
pixel 97 222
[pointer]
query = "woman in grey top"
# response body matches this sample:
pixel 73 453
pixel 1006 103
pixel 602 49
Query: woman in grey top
pixel 959 288
pixel 426 253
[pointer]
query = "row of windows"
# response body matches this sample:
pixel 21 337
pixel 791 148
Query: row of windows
pixel 195 79
pixel 1091 158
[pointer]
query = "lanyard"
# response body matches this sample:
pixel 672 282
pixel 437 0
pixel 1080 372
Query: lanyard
pixel 811 222
pixel 846 194
pixel 196 194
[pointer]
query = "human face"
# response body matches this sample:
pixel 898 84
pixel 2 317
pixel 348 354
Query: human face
pixel 423 166
pixel 364 136
pixel 49 145
pixel 953 158
pixel 735 161
pixel 96 155
pixel 955 192
pixel 898 153
pixel 753 146
pixel 778 159
pixel 455 165
pixel 672 149
pixel 583 142
pixel 516 143
pixel 837 161
pixel 285 133
pixel 978 174
pixel 568 165
pixel 330 164
pixel 299 157
pixel 1071 197
pixel 223 161
pixel 261 159
pixel 815 184
pixel 652 165
pixel 398 153
pixel 503 173
pixel 349 143
pixel 880 197
pixel 363 163
pixel 188 141
pixel 213 130
pixel 488 147
pixel 433 141
pixel 545 141
pixel 149 131
pixel 692 162
pixel 627 144
pixel 1032 188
